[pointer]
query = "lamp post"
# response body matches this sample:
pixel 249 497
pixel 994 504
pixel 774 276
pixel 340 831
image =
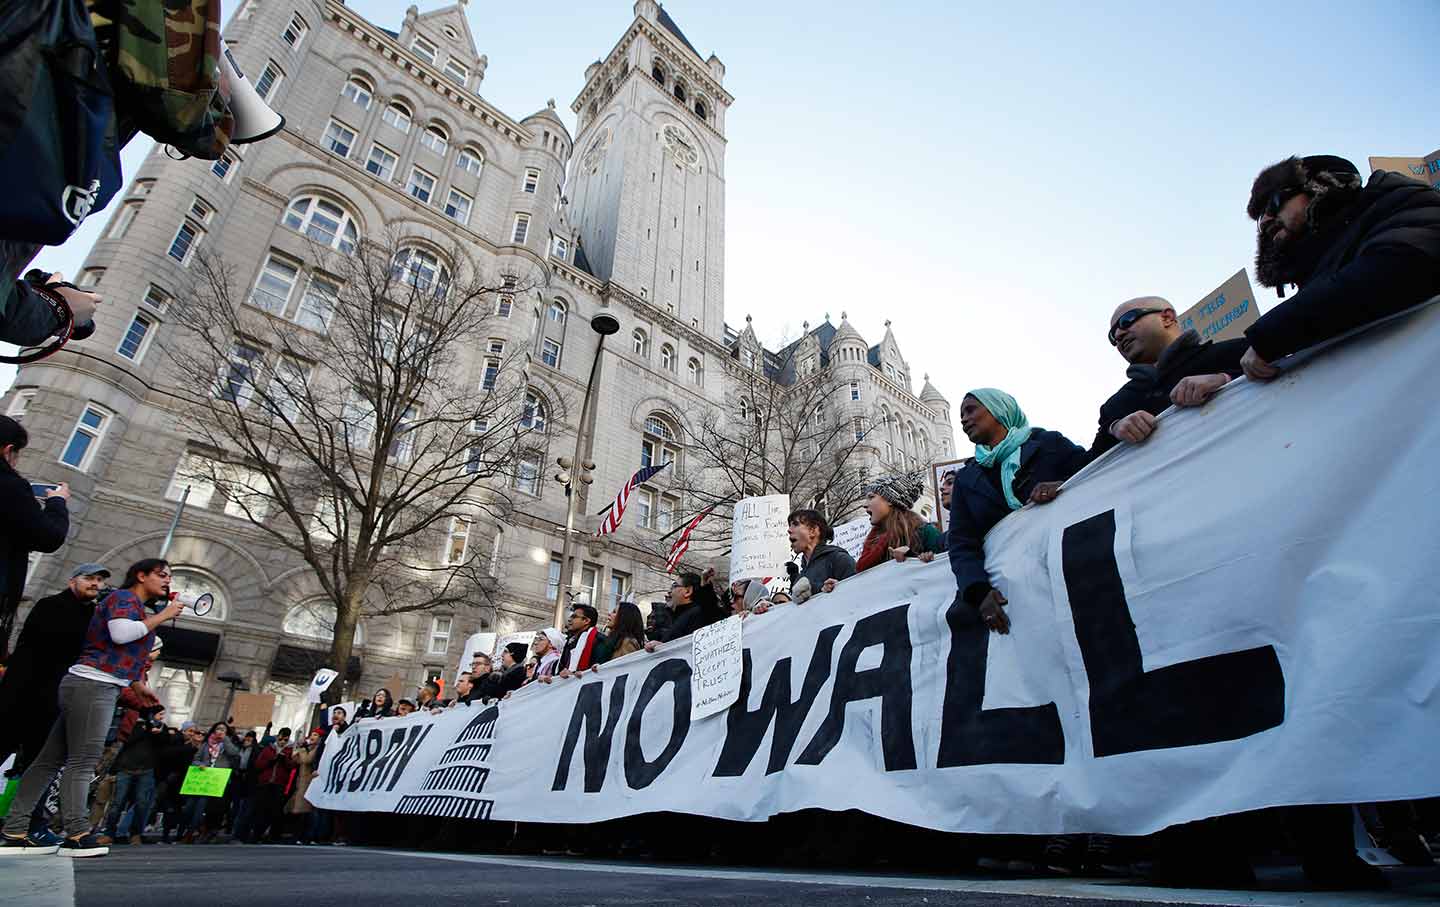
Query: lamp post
pixel 576 470
pixel 235 682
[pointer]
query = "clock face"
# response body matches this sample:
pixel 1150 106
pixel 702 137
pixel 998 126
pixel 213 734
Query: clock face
pixel 680 148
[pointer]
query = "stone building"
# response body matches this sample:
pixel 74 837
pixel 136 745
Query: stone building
pixel 388 131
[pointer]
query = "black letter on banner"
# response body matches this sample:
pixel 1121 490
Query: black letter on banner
pixel 417 737
pixel 349 750
pixel 1219 697
pixel 640 774
pixel 890 681
pixel 970 735
pixel 745 729
pixel 597 741
pixel 374 743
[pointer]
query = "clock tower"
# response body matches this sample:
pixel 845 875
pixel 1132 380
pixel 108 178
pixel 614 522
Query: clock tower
pixel 647 194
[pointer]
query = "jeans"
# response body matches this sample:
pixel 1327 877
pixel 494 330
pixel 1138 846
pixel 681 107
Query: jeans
pixel 138 786
pixel 76 740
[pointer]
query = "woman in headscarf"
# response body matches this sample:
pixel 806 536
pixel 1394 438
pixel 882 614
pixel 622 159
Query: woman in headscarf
pixel 547 645
pixel 896 531
pixel 1013 463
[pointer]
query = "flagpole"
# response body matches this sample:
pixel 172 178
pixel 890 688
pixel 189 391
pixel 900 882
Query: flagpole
pixel 603 324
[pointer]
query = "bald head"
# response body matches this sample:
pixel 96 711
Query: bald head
pixel 1148 331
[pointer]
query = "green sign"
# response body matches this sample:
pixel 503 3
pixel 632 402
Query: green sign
pixel 205 782
pixel 11 786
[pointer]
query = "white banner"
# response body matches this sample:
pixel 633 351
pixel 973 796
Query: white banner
pixel 1239 613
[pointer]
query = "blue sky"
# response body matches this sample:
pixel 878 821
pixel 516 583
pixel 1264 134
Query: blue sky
pixel 995 178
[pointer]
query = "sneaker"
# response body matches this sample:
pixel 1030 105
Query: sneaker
pixel 84 846
pixel 35 844
pixel 103 840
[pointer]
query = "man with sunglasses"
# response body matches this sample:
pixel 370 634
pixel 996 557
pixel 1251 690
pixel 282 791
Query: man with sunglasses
pixel 1357 254
pixel 1167 365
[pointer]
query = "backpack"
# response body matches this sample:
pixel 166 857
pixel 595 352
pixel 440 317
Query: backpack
pixel 59 144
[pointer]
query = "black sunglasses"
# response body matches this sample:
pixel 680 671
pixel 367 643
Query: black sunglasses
pixel 1278 198
pixel 1126 321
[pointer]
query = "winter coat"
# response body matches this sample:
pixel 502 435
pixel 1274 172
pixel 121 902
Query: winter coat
pixel 827 562
pixel 228 757
pixel 977 503
pixel 876 548
pixel 27 526
pixel 49 643
pixel 1149 386
pixel 273 765
pixel 1383 259
pixel 305 759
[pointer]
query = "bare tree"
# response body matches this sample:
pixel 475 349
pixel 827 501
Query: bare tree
pixel 362 431
pixel 781 431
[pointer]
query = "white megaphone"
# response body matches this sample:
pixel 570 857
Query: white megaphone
pixel 254 119
pixel 198 602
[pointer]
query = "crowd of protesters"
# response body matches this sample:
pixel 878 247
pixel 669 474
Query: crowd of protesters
pixel 1357 253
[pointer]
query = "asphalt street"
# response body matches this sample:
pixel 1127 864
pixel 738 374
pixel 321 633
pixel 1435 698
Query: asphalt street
pixel 289 875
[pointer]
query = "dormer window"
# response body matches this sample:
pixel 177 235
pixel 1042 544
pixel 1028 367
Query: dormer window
pixel 424 50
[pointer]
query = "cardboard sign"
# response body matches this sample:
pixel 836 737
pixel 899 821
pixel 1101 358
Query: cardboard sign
pixel 851 535
pixel 718 665
pixel 253 709
pixel 1422 169
pixel 759 538
pixel 205 782
pixel 396 685
pixel 1225 312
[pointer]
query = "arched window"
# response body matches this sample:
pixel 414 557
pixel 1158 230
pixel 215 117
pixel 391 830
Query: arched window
pixel 397 115
pixel 316 620
pixel 323 221
pixel 470 160
pixel 679 91
pixel 640 343
pixel 557 311
pixel 696 372
pixel 196 581
pixel 819 414
pixel 700 110
pixel 657 72
pixel 667 357
pixel 421 269
pixel 744 409
pixel 533 413
pixel 359 90
pixel 659 441
pixel 436 139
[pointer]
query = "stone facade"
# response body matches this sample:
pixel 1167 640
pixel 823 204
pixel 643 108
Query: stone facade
pixel 375 120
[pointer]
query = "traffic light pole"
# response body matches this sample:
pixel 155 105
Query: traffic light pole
pixel 577 468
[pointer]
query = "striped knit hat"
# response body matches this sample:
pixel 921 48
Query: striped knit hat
pixel 902 489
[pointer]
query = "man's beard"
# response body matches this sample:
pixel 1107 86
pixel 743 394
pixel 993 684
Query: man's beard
pixel 1272 257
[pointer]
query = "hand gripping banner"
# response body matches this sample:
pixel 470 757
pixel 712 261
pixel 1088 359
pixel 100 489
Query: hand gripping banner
pixel 1239 613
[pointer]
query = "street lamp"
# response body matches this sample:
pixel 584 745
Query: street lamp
pixel 576 469
pixel 236 682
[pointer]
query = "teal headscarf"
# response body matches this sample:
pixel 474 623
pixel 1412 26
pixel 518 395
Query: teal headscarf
pixel 1007 453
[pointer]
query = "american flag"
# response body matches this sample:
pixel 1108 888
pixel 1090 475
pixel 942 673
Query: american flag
pixel 682 544
pixel 617 509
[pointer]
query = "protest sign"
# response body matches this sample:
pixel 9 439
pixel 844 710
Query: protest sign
pixel 851 535
pixel 252 709
pixel 1423 169
pixel 759 540
pixel 1170 657
pixel 1225 312
pixel 201 781
pixel 715 676
pixel 320 683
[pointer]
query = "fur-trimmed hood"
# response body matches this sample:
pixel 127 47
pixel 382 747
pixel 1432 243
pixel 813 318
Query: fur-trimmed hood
pixel 1330 181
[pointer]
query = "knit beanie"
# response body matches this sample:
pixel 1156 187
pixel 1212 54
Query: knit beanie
pixel 902 489
pixel 518 651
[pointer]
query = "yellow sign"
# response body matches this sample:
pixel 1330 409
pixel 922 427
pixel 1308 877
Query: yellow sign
pixel 1424 169
pixel 205 782
pixel 1225 312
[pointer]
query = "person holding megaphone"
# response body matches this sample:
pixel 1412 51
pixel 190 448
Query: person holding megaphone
pixel 117 643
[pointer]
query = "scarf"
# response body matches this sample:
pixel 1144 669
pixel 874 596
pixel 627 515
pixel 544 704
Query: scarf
pixel 580 651
pixel 1007 453
pixel 874 552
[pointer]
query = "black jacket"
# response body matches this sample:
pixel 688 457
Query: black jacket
pixel 691 618
pixel 1149 386
pixel 977 503
pixel 827 562
pixel 1384 257
pixel 25 527
pixel 49 643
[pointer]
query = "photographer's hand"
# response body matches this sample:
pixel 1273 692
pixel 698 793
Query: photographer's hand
pixel 82 304
pixel 59 491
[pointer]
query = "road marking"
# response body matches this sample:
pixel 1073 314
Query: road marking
pixel 1097 889
pixel 38 881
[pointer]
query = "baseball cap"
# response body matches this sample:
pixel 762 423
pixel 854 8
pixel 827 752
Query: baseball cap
pixel 90 570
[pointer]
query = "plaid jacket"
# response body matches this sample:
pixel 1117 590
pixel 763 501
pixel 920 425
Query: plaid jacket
pixel 124 661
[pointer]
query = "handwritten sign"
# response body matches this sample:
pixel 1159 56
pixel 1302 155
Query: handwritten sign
pixel 253 709
pixel 715 679
pixel 759 539
pixel 205 782
pixel 1422 169
pixel 851 535
pixel 1225 312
